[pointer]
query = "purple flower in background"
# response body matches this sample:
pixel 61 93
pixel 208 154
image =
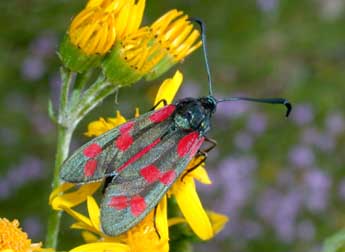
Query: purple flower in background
pixel 302 114
pixel 286 178
pixel 237 181
pixel 251 230
pixel 243 140
pixel 335 124
pixel 45 44
pixel 257 123
pixel 5 188
pixel 310 135
pixel 267 5
pixel 42 123
pixel 301 156
pixel 267 204
pixel 323 141
pixel 33 68
pixel 280 211
pixel 29 169
pixel 33 226
pixel 316 190
pixel 306 230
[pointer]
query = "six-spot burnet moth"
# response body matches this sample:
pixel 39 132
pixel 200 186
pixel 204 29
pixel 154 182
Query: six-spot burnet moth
pixel 142 158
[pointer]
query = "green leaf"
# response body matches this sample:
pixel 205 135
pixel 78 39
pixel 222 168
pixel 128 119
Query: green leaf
pixel 335 243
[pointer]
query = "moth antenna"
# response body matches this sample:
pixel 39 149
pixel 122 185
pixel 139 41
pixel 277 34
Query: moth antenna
pixel 282 101
pixel 204 48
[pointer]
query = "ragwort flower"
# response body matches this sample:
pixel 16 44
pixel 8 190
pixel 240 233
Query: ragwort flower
pixel 107 32
pixel 152 50
pixel 13 239
pixel 94 31
pixel 144 235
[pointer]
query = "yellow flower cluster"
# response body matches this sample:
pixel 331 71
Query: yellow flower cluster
pixel 142 237
pixel 96 28
pixel 13 239
pixel 107 33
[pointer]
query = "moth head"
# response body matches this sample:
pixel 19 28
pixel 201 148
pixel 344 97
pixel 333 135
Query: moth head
pixel 194 114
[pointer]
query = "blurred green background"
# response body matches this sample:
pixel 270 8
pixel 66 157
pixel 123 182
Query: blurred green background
pixel 279 180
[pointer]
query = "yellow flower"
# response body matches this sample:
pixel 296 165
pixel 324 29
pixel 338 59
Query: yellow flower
pixel 96 28
pixel 142 237
pixel 13 239
pixel 152 50
pixel 173 34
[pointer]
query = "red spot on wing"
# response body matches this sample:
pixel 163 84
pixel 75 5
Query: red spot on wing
pixel 162 114
pixel 123 142
pixel 125 128
pixel 118 202
pixel 138 155
pixel 138 205
pixel 196 147
pixel 150 173
pixel 168 177
pixel 90 167
pixel 92 150
pixel 186 143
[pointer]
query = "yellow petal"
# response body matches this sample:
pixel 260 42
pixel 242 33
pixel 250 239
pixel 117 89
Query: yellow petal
pixel 94 212
pixel 98 127
pixel 162 219
pixel 79 217
pixel 137 112
pixel 192 209
pixel 102 247
pixel 87 227
pixel 201 175
pixel 118 120
pixel 62 188
pixel 72 199
pixel 176 220
pixel 44 250
pixel 89 237
pixel 218 220
pixel 169 88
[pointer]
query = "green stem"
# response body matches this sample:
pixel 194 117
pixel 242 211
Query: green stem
pixel 66 79
pixel 63 143
pixel 72 109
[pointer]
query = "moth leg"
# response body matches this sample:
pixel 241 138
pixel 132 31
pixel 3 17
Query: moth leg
pixel 213 144
pixel 202 153
pixel 204 157
pixel 159 102
pixel 154 221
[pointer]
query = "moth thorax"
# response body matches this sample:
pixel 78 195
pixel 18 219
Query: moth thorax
pixel 190 117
